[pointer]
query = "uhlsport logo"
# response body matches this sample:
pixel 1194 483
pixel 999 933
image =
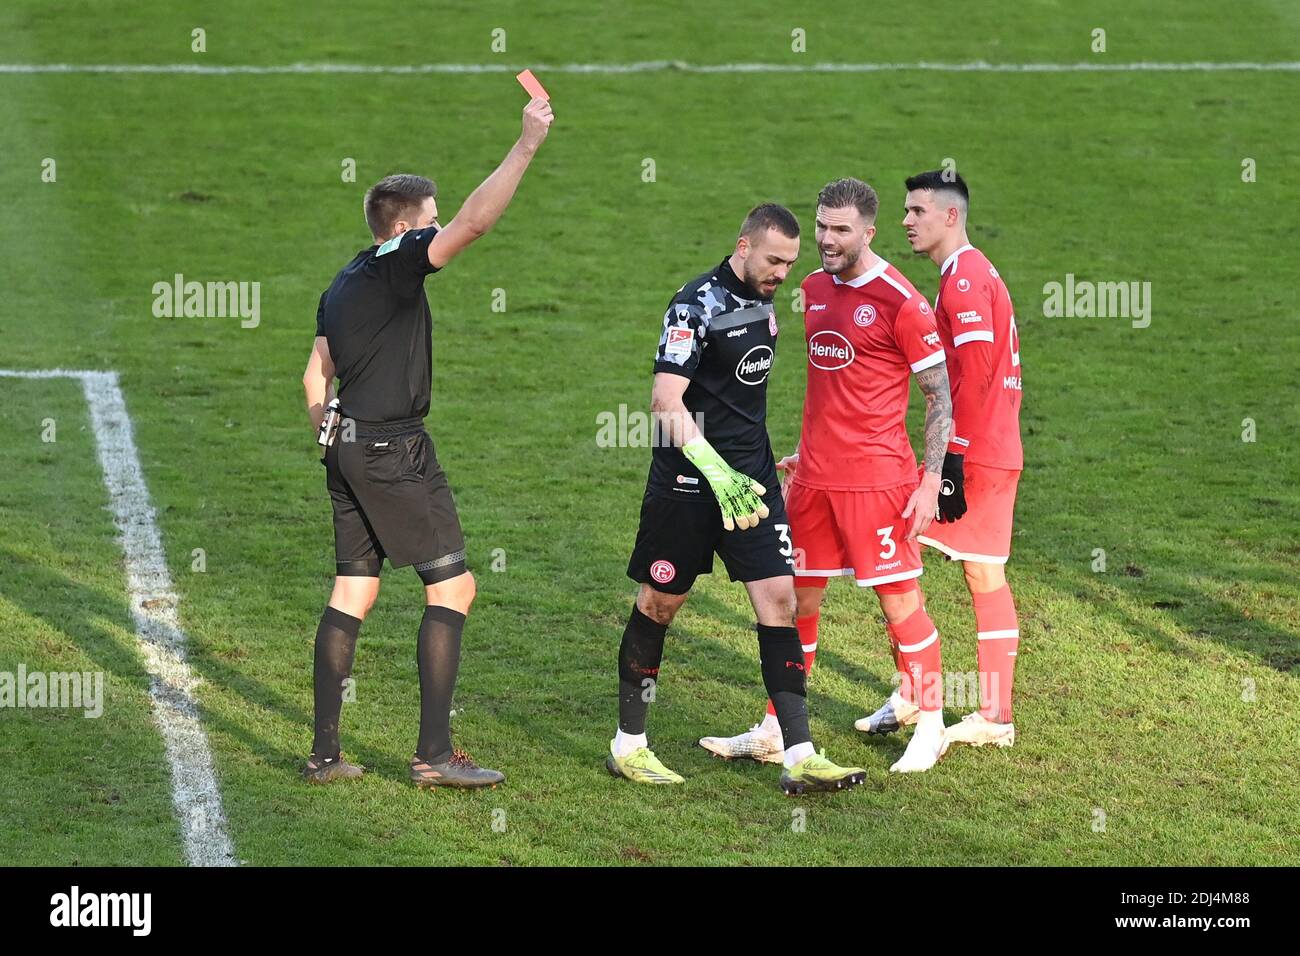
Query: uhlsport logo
pixel 829 351
pixel 864 315
pixel 754 366
pixel 663 571
pixel 963 285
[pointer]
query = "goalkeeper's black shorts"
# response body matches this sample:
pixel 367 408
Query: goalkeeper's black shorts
pixel 391 500
pixel 677 539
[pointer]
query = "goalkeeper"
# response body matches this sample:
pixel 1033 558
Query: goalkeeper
pixel 713 488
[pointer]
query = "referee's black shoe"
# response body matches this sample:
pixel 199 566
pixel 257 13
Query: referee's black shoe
pixel 459 770
pixel 326 770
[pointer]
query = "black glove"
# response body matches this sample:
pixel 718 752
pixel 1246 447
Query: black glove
pixel 952 490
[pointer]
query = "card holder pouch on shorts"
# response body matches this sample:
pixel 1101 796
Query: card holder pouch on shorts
pixel 400 458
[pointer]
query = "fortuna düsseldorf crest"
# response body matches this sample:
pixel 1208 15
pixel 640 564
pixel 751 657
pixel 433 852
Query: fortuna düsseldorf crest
pixel 864 315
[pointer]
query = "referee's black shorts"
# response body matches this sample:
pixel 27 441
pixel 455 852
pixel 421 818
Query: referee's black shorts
pixel 677 539
pixel 391 500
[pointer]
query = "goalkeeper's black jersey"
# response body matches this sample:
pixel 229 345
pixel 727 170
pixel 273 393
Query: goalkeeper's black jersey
pixel 720 336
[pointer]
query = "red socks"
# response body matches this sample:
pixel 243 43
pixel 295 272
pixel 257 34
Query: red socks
pixel 903 691
pixel 915 646
pixel 916 643
pixel 999 636
pixel 808 638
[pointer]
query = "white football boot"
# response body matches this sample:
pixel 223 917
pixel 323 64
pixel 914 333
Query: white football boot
pixel 757 743
pixel 977 730
pixel 893 714
pixel 927 745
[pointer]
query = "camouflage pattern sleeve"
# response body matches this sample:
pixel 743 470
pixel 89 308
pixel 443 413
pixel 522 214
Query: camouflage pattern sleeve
pixel 681 343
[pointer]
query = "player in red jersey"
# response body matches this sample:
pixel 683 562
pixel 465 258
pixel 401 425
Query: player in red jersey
pixel 978 327
pixel 854 501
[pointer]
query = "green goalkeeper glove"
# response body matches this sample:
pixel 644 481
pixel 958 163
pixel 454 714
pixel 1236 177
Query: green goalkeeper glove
pixel 738 495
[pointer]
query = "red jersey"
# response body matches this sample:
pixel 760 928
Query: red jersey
pixel 978 326
pixel 865 338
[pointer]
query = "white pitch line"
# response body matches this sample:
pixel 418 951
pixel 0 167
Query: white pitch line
pixel 153 606
pixel 657 66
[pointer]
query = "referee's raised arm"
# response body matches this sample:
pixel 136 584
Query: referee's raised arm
pixel 486 203
pixel 390 498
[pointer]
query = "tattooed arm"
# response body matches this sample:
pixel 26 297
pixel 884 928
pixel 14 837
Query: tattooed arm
pixel 924 502
pixel 938 414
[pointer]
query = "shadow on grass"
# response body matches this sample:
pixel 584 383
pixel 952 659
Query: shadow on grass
pixel 1189 608
pixel 81 605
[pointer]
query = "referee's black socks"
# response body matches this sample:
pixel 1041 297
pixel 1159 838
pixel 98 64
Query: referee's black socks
pixel 437 652
pixel 639 657
pixel 780 654
pixel 336 646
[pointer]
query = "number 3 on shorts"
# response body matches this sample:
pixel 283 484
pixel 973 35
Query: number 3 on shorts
pixel 888 547
pixel 787 546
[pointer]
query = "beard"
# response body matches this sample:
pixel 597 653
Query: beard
pixel 848 259
pixel 754 282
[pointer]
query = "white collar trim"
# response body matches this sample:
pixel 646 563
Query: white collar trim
pixel 952 259
pixel 874 272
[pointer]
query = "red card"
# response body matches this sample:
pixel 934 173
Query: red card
pixel 530 84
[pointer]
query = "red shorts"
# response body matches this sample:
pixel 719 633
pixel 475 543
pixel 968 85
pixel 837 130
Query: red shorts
pixel 858 533
pixel 984 532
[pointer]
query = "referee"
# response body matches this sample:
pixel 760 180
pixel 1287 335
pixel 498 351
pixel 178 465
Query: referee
pixel 715 353
pixel 389 495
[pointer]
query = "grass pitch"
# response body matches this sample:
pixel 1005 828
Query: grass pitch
pixel 1158 701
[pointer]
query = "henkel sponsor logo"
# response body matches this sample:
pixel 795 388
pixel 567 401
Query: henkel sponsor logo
pixel 828 351
pixel 663 571
pixel 864 315
pixel 753 368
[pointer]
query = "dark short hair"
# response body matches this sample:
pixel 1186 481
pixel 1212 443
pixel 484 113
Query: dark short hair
pixel 850 192
pixel 939 181
pixel 769 215
pixel 395 197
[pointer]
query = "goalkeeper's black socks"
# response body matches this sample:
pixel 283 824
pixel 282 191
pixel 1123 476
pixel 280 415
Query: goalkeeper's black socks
pixel 638 670
pixel 336 646
pixel 437 652
pixel 785 675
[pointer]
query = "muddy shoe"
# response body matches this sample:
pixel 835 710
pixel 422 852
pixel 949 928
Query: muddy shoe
pixel 319 770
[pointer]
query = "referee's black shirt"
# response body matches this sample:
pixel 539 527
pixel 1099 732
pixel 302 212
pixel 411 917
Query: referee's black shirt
pixel 719 334
pixel 376 318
